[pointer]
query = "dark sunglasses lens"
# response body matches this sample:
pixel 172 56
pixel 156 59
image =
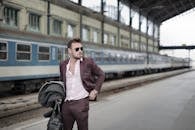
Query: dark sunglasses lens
pixel 77 49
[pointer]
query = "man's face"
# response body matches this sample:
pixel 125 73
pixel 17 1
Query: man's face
pixel 76 50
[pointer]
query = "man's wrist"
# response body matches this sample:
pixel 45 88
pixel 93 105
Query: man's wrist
pixel 95 91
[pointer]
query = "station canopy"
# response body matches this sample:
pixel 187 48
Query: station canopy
pixel 161 10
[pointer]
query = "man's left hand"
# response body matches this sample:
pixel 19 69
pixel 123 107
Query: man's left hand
pixel 93 94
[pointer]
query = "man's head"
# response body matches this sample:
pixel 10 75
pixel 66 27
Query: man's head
pixel 75 48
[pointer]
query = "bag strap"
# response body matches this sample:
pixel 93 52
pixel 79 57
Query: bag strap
pixel 57 108
pixel 54 109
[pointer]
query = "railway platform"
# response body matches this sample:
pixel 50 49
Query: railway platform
pixel 167 104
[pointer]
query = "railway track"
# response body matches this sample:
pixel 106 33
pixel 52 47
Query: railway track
pixel 16 105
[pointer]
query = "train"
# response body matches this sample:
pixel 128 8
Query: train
pixel 33 37
pixel 26 64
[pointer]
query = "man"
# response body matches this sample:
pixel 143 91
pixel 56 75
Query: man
pixel 82 80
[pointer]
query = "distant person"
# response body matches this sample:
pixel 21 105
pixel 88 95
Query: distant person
pixel 82 80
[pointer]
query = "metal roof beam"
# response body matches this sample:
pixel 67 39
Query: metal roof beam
pixel 173 5
pixel 181 2
pixel 170 8
pixel 176 47
pixel 191 3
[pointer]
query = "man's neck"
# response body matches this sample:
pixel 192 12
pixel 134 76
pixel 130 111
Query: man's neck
pixel 73 60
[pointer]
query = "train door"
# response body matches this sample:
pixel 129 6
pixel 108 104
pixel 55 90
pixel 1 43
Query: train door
pixel 62 55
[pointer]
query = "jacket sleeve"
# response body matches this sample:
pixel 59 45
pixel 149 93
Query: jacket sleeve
pixel 99 74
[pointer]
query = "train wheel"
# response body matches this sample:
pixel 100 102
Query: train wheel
pixel 23 88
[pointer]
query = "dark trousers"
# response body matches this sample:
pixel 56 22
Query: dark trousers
pixel 76 110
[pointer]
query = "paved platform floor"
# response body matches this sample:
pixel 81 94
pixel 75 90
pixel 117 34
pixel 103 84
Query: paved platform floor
pixel 167 104
pixel 20 103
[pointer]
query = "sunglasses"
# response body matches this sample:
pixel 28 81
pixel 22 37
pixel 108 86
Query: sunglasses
pixel 77 49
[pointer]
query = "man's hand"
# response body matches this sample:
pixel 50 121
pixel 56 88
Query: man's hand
pixel 93 94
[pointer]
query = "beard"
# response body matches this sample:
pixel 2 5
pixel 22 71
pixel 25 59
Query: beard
pixel 78 57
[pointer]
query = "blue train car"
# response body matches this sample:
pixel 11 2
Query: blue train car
pixel 22 61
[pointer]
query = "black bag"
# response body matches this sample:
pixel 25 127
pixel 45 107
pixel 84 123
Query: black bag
pixel 55 121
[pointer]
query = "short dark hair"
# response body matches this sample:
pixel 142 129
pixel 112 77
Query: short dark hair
pixel 72 41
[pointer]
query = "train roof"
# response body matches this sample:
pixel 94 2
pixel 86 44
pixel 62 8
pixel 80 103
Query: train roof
pixel 14 34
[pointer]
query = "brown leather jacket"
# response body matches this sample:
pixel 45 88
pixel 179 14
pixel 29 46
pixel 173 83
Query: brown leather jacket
pixel 91 75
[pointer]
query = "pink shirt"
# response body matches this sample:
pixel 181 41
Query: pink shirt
pixel 74 87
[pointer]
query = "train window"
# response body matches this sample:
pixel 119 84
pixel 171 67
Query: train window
pixel 125 58
pixel 3 51
pixel 87 53
pixel 23 52
pixel 44 53
pixel 107 58
pixel 111 58
pixel 98 56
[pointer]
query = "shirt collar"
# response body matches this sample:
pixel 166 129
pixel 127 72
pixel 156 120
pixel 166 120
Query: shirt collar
pixel 81 59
